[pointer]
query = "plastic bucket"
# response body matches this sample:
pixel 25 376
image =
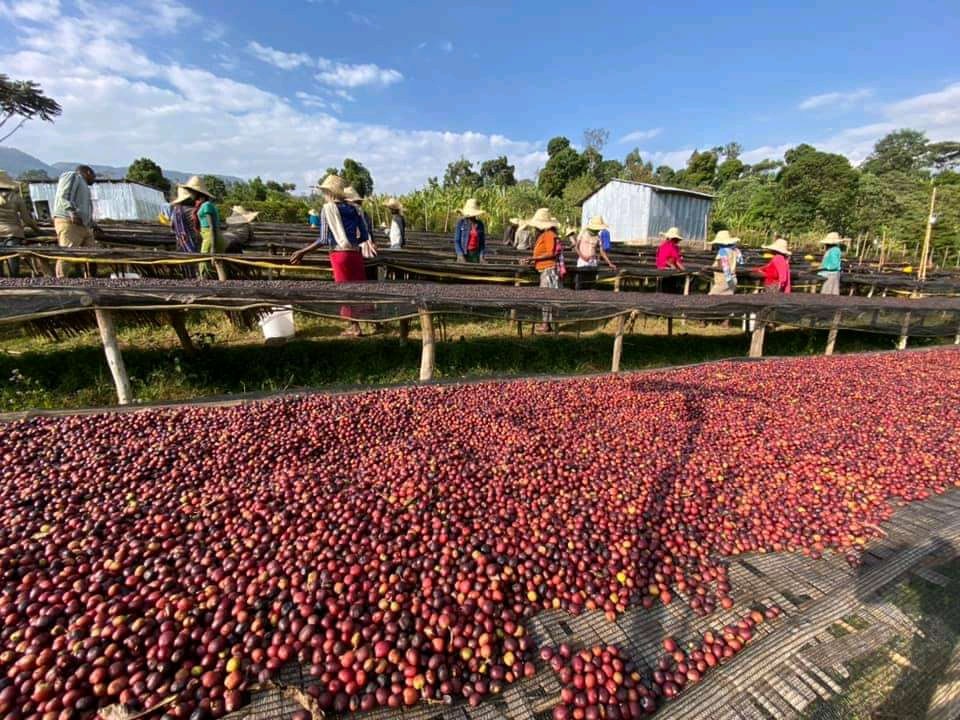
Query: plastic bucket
pixel 278 325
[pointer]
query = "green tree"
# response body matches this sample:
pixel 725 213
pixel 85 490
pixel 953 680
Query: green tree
pixel 215 185
pixel 635 169
pixel 497 172
pixel 563 165
pixel 944 155
pixel 701 169
pixel 461 174
pixel 29 175
pixel 764 167
pixel 731 151
pixel 23 100
pixel 355 175
pixel 147 172
pixel 747 207
pixel 902 150
pixel 729 169
pixel 665 175
pixel 556 145
pixel 579 188
pixel 280 188
pixel 817 190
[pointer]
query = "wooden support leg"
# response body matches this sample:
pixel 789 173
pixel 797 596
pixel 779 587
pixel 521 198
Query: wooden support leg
pixel 221 270
pixel 178 320
pixel 686 285
pixel 904 333
pixel 873 289
pixel 618 344
pixel 428 354
pixel 108 335
pixel 669 327
pixel 832 335
pixel 404 330
pixel 756 340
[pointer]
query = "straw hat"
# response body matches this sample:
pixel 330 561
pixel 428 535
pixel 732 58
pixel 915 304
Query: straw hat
pixel 723 238
pixel 197 184
pixel 351 195
pixel 542 220
pixel 778 246
pixel 472 209
pixel 313 212
pixel 833 239
pixel 240 215
pixel 393 204
pixel 6 182
pixel 183 195
pixel 334 186
pixel 673 234
pixel 597 224
pixel 515 221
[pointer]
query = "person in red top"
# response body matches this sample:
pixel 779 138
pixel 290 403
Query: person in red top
pixel 669 257
pixel 776 273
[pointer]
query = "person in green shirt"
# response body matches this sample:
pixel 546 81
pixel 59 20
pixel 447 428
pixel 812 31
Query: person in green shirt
pixel 212 241
pixel 831 264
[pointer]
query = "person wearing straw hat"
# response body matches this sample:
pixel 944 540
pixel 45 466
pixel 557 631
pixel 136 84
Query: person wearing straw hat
pixel 208 221
pixel 669 257
pixel 73 210
pixel 546 252
pixel 182 221
pixel 313 218
pixel 831 264
pixel 524 237
pixel 776 273
pixel 588 244
pixel 14 214
pixel 239 232
pixel 470 234
pixel 725 264
pixel 510 232
pixel 353 197
pixel 398 224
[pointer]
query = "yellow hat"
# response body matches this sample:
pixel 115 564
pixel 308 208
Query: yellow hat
pixel 673 234
pixel 197 184
pixel 597 224
pixel 472 209
pixel 333 185
pixel 542 220
pixel 778 246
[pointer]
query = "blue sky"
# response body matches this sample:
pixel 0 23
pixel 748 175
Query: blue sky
pixel 286 89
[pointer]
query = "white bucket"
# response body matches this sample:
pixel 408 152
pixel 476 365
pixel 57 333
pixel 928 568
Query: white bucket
pixel 278 325
pixel 125 276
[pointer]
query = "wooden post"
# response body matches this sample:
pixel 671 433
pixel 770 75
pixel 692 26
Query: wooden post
pixel 108 335
pixel 925 255
pixel 178 320
pixel 428 355
pixel 404 330
pixel 832 335
pixel 618 344
pixel 616 283
pixel 221 270
pixel 669 327
pixel 686 285
pixel 883 249
pixel 904 333
pixel 756 340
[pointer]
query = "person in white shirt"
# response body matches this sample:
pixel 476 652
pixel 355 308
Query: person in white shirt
pixel 398 224
pixel 588 245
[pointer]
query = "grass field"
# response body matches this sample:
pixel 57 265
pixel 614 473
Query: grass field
pixel 41 373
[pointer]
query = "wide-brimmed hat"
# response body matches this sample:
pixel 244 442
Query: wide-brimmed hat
pixel 833 239
pixel 723 238
pixel 197 184
pixel 597 224
pixel 471 209
pixel 515 221
pixel 333 185
pixel 778 246
pixel 351 195
pixel 240 215
pixel 313 212
pixel 393 204
pixel 6 181
pixel 673 234
pixel 543 220
pixel 570 230
pixel 183 194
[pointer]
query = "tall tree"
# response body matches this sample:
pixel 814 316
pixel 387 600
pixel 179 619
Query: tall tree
pixel 355 175
pixel 215 185
pixel 23 100
pixel 900 151
pixel 556 145
pixel 596 139
pixel 701 169
pixel 460 173
pixel 731 151
pixel 578 189
pixel 497 172
pixel 147 172
pixel 944 155
pixel 664 175
pixel 635 169
pixel 817 190
pixel 563 166
pixel 730 169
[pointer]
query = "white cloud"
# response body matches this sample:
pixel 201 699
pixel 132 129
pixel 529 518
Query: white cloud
pixel 835 100
pixel 353 76
pixel 421 46
pixel 640 135
pixel 278 58
pixel 30 10
pixel 311 101
pixel 674 158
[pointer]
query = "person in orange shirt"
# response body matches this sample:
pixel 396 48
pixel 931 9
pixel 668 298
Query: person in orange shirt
pixel 546 250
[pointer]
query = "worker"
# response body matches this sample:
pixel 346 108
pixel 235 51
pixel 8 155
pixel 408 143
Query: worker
pixel 182 221
pixel 831 263
pixel 239 232
pixel 669 257
pixel 342 227
pixel 355 199
pixel 313 217
pixel 588 244
pixel 524 237
pixel 606 242
pixel 470 235
pixel 725 264
pixel 206 221
pixel 73 210
pixel 510 232
pixel 776 273
pixel 547 251
pixel 398 224
pixel 14 214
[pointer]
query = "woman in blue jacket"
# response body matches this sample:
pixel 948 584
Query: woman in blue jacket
pixel 470 237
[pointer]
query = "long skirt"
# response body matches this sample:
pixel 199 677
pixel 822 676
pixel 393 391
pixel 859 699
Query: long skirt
pixel 720 285
pixel 348 267
pixel 831 283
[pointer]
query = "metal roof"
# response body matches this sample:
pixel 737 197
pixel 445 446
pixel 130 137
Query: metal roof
pixel 655 188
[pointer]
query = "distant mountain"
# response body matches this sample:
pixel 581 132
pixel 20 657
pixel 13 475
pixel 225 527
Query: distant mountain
pixel 17 162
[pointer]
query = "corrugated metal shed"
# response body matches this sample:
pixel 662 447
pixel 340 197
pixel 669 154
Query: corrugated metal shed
pixel 112 200
pixel 639 212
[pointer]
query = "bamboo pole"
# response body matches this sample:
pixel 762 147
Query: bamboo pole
pixel 832 335
pixel 925 255
pixel 618 344
pixel 428 354
pixel 904 333
pixel 108 335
